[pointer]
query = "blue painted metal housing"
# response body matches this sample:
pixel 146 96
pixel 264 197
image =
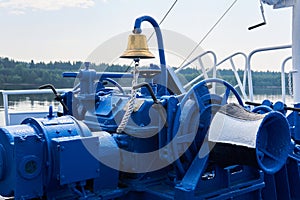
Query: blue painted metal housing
pixel 59 157
pixel 43 156
pixel 164 151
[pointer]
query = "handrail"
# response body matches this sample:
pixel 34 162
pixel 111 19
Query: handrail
pixel 33 91
pixel 6 93
pixel 239 83
pixel 283 92
pixel 204 72
pixel 250 86
pixel 198 57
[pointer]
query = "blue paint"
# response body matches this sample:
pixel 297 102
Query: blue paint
pixel 80 155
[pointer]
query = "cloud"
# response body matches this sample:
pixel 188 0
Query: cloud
pixel 21 6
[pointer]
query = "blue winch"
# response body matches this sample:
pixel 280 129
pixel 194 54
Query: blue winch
pixel 43 156
pixel 157 141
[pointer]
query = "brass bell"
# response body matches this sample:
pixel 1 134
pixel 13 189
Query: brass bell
pixel 137 47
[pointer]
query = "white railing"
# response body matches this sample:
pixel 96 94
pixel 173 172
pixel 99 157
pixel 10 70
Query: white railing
pixel 241 85
pixel 206 70
pixel 250 86
pixel 7 93
pixel 247 69
pixel 203 69
pixel 283 92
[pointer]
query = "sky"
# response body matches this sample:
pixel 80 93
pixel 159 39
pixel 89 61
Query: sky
pixel 71 30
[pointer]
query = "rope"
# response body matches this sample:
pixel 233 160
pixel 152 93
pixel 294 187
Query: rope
pixel 131 101
pixel 210 30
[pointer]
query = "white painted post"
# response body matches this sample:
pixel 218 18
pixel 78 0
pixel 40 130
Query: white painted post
pixel 296 51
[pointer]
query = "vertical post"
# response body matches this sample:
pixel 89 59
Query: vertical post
pixel 283 84
pixel 296 51
pixel 238 80
pixel 296 65
pixel 5 105
pixel 283 92
pixel 250 87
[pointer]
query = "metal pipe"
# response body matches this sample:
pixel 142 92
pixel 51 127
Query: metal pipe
pixel 198 57
pixel 5 104
pixel 163 65
pixel 6 93
pixel 199 76
pixel 147 85
pixel 283 92
pixel 101 75
pixel 296 51
pixel 250 86
pixel 241 86
pixel 238 79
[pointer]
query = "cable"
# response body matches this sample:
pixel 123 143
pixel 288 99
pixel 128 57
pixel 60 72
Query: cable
pixel 165 16
pixel 211 29
pixel 168 12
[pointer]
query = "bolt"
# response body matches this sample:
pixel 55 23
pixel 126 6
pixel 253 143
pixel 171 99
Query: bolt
pixel 60 148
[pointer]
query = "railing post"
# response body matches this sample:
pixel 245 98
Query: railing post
pixel 250 86
pixel 5 105
pixel 5 94
pixel 238 79
pixel 283 92
pixel 296 51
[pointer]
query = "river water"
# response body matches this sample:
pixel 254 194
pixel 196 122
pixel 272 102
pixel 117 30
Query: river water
pixel 33 104
pixel 27 105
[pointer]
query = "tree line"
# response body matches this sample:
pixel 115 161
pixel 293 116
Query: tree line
pixel 30 75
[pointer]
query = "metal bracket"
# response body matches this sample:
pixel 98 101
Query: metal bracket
pixel 284 4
